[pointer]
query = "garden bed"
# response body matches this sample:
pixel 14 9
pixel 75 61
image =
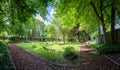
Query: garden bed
pixel 52 51
pixel 110 51
pixel 5 59
pixel 26 61
pixel 105 48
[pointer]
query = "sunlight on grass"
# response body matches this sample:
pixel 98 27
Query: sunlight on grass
pixel 60 47
pixel 50 50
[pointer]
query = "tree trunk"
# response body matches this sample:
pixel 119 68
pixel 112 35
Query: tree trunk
pixel 102 22
pixel 99 35
pixel 113 22
pixel 104 31
pixel 63 38
pixel 101 18
pixel 52 39
pixel 78 35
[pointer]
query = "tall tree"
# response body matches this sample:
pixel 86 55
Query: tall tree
pixel 76 31
pixel 89 12
pixel 51 31
pixel 113 21
pixel 16 13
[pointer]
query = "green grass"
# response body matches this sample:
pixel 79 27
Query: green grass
pixel 4 41
pixel 5 61
pixel 52 51
pixel 60 47
pixel 95 53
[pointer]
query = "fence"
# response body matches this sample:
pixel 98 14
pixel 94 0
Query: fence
pixel 116 36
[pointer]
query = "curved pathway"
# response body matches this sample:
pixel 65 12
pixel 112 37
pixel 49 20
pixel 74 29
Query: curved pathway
pixel 25 61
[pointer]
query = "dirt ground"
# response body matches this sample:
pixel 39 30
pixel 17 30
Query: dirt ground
pixel 25 61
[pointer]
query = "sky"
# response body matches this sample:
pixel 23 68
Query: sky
pixel 50 16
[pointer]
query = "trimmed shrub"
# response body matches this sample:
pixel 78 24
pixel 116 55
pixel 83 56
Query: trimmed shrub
pixel 69 53
pixel 34 45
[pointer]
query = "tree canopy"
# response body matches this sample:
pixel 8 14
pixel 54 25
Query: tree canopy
pixel 91 14
pixel 17 15
pixel 72 18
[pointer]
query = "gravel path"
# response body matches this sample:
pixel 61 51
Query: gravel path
pixel 25 61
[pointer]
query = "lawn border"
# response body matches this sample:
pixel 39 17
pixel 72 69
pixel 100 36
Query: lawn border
pixel 62 65
pixel 11 58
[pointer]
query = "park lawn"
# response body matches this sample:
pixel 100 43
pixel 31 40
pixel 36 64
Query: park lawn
pixel 52 51
pixel 5 60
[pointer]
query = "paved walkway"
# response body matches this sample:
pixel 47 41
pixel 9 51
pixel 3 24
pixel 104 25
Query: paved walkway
pixel 25 61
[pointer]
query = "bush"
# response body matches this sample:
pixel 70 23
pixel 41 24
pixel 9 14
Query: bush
pixel 34 45
pixel 69 53
pixel 90 43
pixel 95 53
pixel 110 48
pixel 27 41
pixel 5 61
pixel 106 48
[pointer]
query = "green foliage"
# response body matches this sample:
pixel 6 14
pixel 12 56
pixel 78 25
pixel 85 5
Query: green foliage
pixel 90 43
pixel 105 48
pixel 95 53
pixel 51 31
pixel 110 48
pixel 71 13
pixel 40 51
pixel 5 41
pixel 5 61
pixel 50 55
pixel 90 14
pixel 17 16
pixel 34 45
pixel 69 53
pixel 94 35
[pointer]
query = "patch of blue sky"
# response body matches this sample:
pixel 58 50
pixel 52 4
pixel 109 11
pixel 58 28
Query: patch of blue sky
pixel 49 16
